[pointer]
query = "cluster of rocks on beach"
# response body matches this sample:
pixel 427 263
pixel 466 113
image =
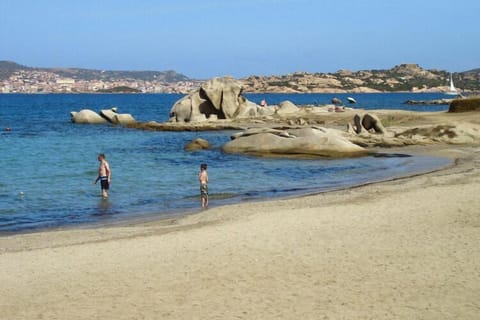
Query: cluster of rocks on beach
pixel 289 130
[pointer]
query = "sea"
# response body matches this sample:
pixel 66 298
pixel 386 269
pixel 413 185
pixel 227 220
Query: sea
pixel 48 164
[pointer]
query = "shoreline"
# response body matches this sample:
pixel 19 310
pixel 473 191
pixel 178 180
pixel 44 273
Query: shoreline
pixel 404 248
pixel 176 214
pixel 174 217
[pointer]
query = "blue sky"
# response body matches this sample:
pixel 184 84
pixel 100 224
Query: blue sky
pixel 208 38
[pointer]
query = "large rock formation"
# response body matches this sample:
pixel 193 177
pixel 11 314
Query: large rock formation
pixel 218 98
pixel 306 141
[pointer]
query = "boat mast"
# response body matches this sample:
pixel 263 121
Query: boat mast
pixel 452 87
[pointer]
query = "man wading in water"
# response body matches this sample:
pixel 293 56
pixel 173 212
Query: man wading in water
pixel 104 175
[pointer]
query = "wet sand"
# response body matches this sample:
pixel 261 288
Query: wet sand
pixel 402 249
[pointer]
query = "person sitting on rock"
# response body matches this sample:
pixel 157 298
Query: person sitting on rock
pixel 338 105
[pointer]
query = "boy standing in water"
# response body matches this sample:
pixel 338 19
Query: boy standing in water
pixel 203 178
pixel 104 175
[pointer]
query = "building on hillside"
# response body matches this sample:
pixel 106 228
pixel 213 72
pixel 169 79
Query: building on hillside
pixel 65 84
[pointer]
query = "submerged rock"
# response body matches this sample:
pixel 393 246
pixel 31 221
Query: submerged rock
pixel 197 144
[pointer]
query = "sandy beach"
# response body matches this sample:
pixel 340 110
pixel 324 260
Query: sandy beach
pixel 401 249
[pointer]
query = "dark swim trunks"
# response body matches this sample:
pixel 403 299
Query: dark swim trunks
pixel 204 190
pixel 104 183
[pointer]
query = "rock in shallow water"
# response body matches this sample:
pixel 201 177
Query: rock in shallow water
pixel 197 144
pixel 86 116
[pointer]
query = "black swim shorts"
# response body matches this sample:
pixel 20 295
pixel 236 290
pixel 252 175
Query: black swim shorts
pixel 104 183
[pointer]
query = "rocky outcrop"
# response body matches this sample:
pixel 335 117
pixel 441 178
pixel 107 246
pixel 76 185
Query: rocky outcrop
pixel 458 133
pixel 109 114
pixel 287 107
pixel 445 133
pixel 401 78
pixel 87 116
pixel 368 122
pixel 308 141
pixel 465 105
pixel 218 98
pixel 123 119
pixel 429 102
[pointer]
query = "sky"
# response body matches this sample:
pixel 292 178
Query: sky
pixel 209 38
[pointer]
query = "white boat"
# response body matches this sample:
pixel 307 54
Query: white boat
pixel 452 91
pixel 351 100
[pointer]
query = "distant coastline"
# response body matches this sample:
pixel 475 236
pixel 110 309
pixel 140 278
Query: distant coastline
pixel 16 78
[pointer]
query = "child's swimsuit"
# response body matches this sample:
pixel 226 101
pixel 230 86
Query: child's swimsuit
pixel 204 189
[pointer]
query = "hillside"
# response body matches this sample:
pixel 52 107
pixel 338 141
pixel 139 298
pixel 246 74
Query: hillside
pixel 8 68
pixel 404 77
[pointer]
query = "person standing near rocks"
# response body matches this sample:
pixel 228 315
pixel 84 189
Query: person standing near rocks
pixel 203 178
pixel 104 175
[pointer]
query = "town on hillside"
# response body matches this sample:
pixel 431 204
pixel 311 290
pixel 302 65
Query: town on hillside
pixel 16 78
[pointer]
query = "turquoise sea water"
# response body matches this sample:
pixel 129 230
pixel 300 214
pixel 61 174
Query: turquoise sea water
pixel 48 165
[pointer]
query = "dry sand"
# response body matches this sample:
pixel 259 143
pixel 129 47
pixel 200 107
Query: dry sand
pixel 403 249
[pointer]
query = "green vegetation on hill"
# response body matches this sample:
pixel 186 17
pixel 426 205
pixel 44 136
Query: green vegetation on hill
pixel 121 89
pixel 87 74
pixel 7 68
pixel 404 77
